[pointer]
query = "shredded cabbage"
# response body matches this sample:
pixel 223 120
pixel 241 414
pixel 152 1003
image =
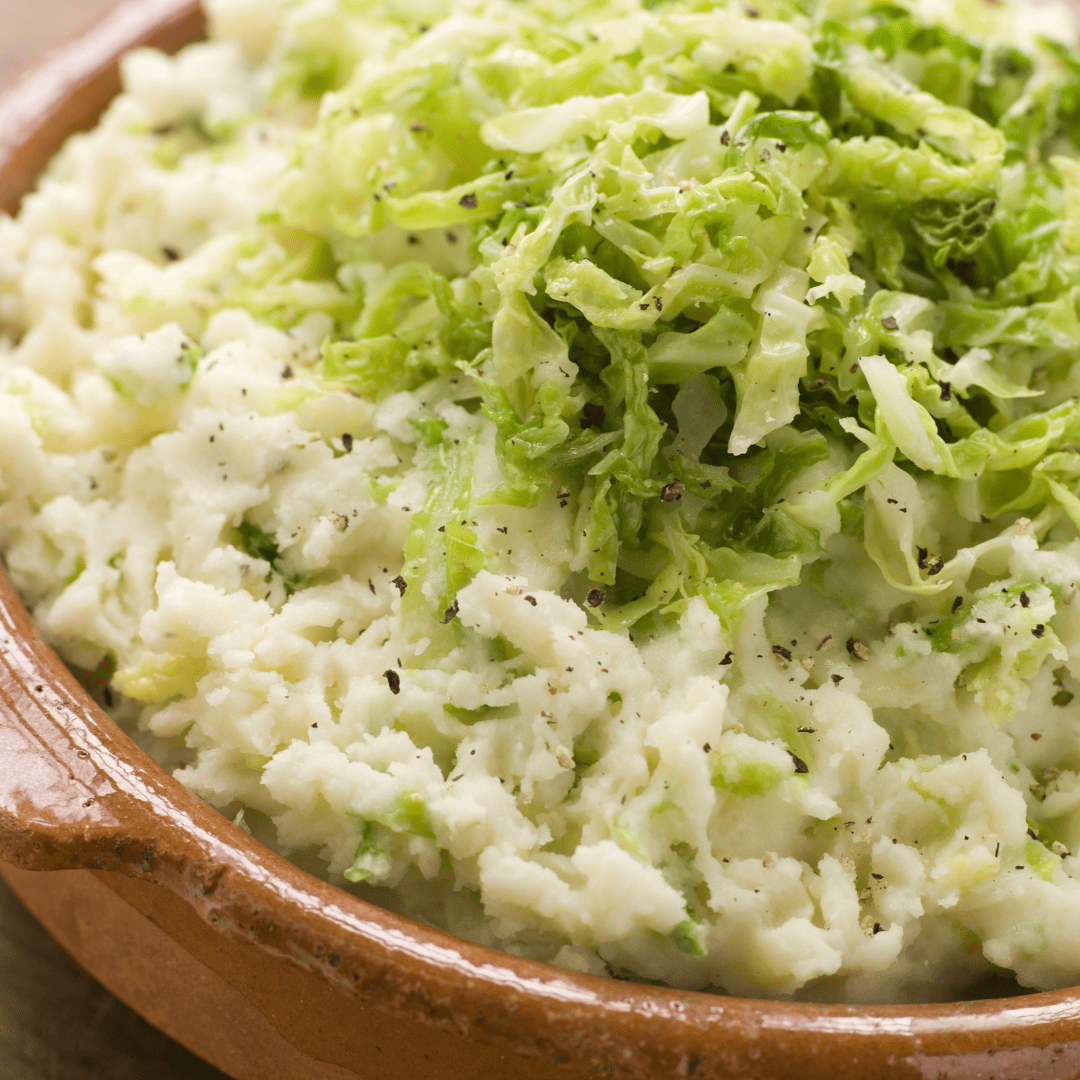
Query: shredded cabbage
pixel 837 222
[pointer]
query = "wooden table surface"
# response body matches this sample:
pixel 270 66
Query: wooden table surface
pixel 56 1022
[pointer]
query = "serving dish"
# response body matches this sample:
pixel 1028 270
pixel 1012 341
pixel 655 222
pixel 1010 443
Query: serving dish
pixel 268 972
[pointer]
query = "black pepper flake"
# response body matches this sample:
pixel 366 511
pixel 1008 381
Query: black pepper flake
pixel 935 565
pixel 400 582
pixel 672 491
pixel 170 253
pixel 800 766
pixel 857 648
pixel 878 928
pixel 922 553
pixel 1038 631
pixel 957 603
pixel 707 747
pixel 530 600
pixel 878 877
pixel 725 138
pixel 287 372
pixel 837 679
pixel 1025 600
pixel 469 201
pixel 806 730
pixel 592 415
pixel 596 597
pixel 946 390
pixel 451 613
pixel 890 323
pixel 393 680
pixel 726 660
pixel 964 269
pixel 347 442
pixel 658 303
pixel 784 654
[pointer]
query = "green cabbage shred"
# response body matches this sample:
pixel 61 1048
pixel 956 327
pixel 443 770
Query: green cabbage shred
pixel 712 271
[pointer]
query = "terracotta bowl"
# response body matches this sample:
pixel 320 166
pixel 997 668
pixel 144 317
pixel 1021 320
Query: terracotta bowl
pixel 271 974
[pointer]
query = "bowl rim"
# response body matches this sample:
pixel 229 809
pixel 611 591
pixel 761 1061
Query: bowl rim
pixel 75 791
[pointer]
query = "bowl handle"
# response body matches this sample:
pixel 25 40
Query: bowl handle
pixel 70 795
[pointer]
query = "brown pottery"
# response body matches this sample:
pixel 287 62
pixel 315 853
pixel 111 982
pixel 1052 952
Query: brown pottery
pixel 271 974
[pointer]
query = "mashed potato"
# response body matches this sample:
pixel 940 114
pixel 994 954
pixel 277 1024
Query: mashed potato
pixel 598 478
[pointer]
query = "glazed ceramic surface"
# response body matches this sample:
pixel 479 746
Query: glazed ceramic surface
pixel 270 973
